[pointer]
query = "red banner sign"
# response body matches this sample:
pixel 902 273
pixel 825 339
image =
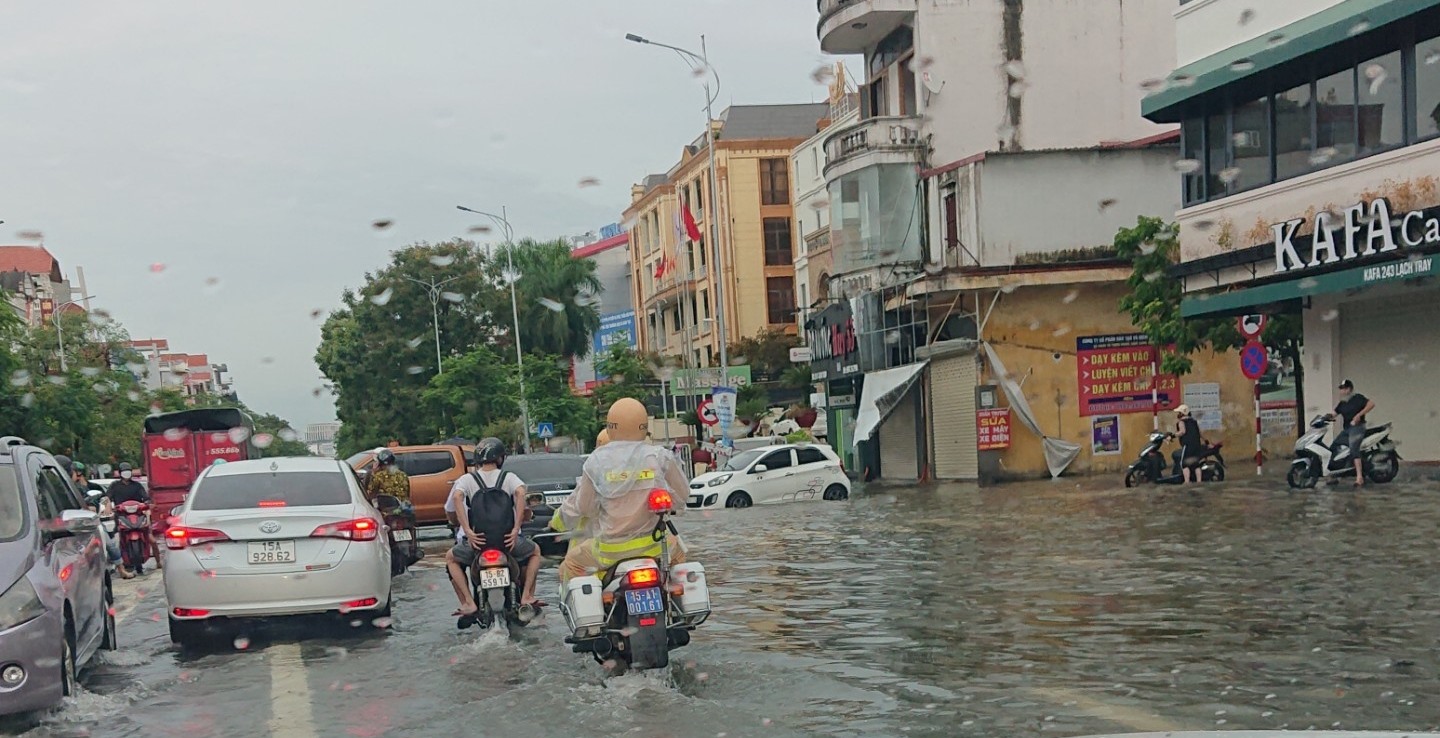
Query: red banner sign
pixel 1114 374
pixel 993 429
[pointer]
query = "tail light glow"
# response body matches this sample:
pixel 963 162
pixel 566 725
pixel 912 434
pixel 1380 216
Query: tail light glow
pixel 271 503
pixel 189 612
pixel 660 501
pixel 359 529
pixel 647 622
pixel 367 602
pixel 491 556
pixel 642 577
pixel 180 537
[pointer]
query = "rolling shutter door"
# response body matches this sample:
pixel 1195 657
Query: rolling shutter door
pixel 1391 348
pixel 899 445
pixel 952 397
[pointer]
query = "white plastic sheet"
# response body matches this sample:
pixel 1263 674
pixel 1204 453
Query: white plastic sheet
pixel 1058 454
pixel 881 393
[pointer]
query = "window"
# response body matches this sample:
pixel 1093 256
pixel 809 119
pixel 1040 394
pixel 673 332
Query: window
pixel 774 182
pixel 1294 131
pixel 780 299
pixel 1427 88
pixel 287 489
pixel 777 242
pixel 1217 155
pixel 1192 142
pixel 952 220
pixel 1335 114
pixel 45 498
pixel 778 460
pixel 12 505
pixel 804 301
pixel 1382 103
pixel 809 456
pixel 422 463
pixel 675 318
pixel 1250 137
pixel 705 303
pixel 64 495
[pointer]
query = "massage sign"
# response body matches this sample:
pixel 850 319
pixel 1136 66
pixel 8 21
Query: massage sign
pixel 1360 231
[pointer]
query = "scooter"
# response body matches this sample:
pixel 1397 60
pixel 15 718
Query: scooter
pixel 1150 467
pixel 642 608
pixel 133 527
pixel 405 548
pixel 495 582
pixel 1315 460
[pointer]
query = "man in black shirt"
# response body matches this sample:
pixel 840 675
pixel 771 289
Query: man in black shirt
pixel 126 488
pixel 1352 409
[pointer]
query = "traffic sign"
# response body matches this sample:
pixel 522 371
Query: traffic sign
pixel 545 430
pixel 707 413
pixel 1254 360
pixel 1250 326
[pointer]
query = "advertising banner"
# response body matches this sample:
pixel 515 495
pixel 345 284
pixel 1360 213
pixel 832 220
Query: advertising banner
pixel 1113 375
pixel 723 400
pixel 1105 435
pixel 615 328
pixel 993 429
pixel 1204 401
pixel 690 382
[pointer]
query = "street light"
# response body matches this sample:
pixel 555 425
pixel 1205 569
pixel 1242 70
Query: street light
pixel 59 330
pixel 433 288
pixel 703 61
pixel 504 223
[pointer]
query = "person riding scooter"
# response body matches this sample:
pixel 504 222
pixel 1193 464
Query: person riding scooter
pixel 96 500
pixel 126 489
pixel 474 498
pixel 612 498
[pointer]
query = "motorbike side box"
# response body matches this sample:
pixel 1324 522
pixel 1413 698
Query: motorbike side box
pixel 695 598
pixel 583 604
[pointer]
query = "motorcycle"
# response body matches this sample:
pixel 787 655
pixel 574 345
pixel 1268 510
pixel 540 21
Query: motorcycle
pixel 646 607
pixel 405 548
pixel 133 527
pixel 1315 460
pixel 1150 467
pixel 495 583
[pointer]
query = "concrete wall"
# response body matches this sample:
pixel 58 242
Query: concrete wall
pixel 1205 27
pixel 1083 62
pixel 1033 325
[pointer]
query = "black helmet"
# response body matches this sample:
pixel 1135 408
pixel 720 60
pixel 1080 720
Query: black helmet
pixel 65 463
pixel 490 451
pixel 125 466
pixel 386 457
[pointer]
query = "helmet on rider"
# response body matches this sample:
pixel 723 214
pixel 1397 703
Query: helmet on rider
pixel 490 451
pixel 65 463
pixel 386 457
pixel 78 468
pixel 627 420
pixel 603 438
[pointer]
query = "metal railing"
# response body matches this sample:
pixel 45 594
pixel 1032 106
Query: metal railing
pixel 874 134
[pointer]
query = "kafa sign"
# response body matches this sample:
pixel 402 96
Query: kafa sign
pixel 1114 375
pixel 834 348
pixel 992 429
pixel 1361 230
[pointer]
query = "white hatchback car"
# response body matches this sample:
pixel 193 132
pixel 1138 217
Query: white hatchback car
pixel 273 537
pixel 760 476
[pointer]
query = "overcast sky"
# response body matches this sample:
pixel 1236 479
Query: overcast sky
pixel 254 142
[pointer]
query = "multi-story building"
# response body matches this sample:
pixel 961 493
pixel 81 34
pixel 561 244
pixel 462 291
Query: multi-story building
pixel 33 283
pixel 191 374
pixel 609 250
pixel 1311 185
pixel 813 260
pixel 320 438
pixel 672 275
pixel 974 205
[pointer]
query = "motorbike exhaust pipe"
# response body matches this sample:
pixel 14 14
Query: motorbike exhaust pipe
pixel 602 648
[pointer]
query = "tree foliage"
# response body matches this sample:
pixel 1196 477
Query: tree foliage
pixel 554 295
pixel 767 352
pixel 629 373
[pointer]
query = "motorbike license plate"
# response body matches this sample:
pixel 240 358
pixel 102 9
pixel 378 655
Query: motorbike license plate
pixel 271 552
pixel 402 535
pixel 643 601
pixel 494 578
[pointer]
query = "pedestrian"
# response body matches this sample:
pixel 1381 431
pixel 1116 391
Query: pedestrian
pixel 1352 409
pixel 1192 445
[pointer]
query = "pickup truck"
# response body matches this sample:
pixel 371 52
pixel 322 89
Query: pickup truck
pixel 432 470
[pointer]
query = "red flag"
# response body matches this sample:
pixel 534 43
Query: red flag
pixel 660 268
pixel 691 229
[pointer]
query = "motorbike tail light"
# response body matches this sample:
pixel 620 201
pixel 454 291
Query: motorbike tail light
pixel 661 501
pixel 181 536
pixel 66 572
pixel 647 622
pixel 491 557
pixel 643 577
pixel 189 612
pixel 359 529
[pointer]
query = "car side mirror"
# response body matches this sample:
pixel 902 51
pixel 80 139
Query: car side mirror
pixel 759 468
pixel 74 523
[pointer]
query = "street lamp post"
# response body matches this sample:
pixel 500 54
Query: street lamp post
pixel 433 288
pixel 59 327
pixel 504 222
pixel 703 60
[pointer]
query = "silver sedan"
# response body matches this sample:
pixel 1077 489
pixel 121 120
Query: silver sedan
pixel 274 537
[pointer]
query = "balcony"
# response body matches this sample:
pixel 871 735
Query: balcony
pixel 852 26
pixel 884 140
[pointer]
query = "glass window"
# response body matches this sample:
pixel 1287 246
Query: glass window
pixel 778 460
pixel 545 468
pixel 1335 115
pixel 809 456
pixel 46 509
pixel 778 242
pixel 12 507
pixel 1192 140
pixel 360 459
pixel 774 182
pixel 1427 88
pixel 780 299
pixel 287 489
pixel 1294 131
pixel 1382 103
pixel 65 496
pixel 1250 137
pixel 739 461
pixel 705 304
pixel 422 463
pixel 1217 158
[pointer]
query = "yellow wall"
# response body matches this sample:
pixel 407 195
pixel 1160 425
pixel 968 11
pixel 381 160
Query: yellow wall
pixel 1030 326
pixel 746 252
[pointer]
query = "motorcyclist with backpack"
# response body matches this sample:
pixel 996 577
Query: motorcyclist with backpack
pixel 489 503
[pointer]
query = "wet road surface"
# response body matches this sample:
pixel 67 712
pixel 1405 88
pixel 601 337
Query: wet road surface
pixel 1030 609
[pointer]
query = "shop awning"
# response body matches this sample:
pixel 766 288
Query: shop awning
pixel 1371 275
pixel 1326 28
pixel 881 393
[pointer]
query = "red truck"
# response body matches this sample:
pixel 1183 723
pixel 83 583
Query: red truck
pixel 180 445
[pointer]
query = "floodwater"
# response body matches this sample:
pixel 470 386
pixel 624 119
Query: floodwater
pixel 1047 608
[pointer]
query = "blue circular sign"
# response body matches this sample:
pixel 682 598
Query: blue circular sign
pixel 1254 360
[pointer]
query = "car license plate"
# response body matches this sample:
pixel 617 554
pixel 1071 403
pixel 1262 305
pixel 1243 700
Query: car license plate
pixel 272 552
pixel 556 499
pixel 643 601
pixel 402 535
pixel 494 578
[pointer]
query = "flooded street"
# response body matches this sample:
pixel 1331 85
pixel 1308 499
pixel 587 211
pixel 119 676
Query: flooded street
pixel 1028 609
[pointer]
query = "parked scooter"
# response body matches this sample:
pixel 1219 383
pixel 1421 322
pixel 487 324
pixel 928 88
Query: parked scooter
pixel 405 548
pixel 1150 467
pixel 1315 460
pixel 133 527
pixel 646 607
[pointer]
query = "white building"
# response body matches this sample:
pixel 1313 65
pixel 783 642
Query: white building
pixel 611 254
pixel 813 262
pixel 320 438
pixel 1318 117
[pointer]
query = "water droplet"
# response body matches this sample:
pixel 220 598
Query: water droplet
pixel 1323 156
pixel 382 623
pixel 316 313
pixel 1399 359
pixel 1154 276
pixel 1006 132
pixel 1015 68
pixel 416 341
pixel 1330 315
pixel 482 228
pixel 30 236
pixel 589 182
pixel 20 378
pixel 238 434
pixel 454 297
pixel 267 360
pixel 1432 57
pixel 1275 40
pixel 1377 75
pixel 356 623
pixel 262 440
pixel 89 371
pixel 318 391
pixel 382 224
pixel 1017 90
pixel 1230 174
pixel 56 379
pixel 551 305
pixel 157 268
pixel 823 74
pixel 1362 26
pixel 1242 65
pixel 414 369
pixel 175 434
pixel 1267 713
pixel 1187 166
pixel 1062 330
pixel 383 297
pixel 702 676
pixel 1182 80
pixel 1107 203
pixel 1070 296
pixel 1153 85
pixel 212 284
pixel 132 396
pixel 1246 16
pixel 288 434
pixel 442 260
pixel 241 643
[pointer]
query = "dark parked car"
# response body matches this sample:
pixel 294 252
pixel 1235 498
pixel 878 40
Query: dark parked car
pixel 549 479
pixel 55 597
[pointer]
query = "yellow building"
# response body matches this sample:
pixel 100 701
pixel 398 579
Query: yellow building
pixel 674 290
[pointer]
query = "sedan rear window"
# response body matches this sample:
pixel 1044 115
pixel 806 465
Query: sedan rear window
pixel 536 468
pixel 12 511
pixel 266 489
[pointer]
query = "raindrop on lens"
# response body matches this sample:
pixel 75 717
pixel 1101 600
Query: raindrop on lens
pixel 89 371
pixel 1242 65
pixel 416 341
pixel 1323 156
pixel 27 400
pixel 455 297
pixel 30 236
pixel 382 224
pixel 1432 57
pixel 1230 174
pixel 1377 75
pixel 174 434
pixel 1330 315
pixel 239 433
pixel 1107 203
pixel 1153 85
pixel 415 369
pixel 1187 166
pixel 20 378
pixel 383 297
pixel 1017 90
pixel 1070 296
pixel 589 182
pixel 262 440
pixel 157 268
pixel 1016 69
pixel 288 434
pixel 242 643
pixel 1359 28
pixel 56 379
pixel 316 313
pixel 1182 80
pixel 550 304
pixel 1276 40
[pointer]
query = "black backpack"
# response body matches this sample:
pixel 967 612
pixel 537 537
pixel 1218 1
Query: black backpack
pixel 492 510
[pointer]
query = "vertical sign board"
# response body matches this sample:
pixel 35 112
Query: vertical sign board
pixel 993 429
pixel 615 328
pixel 1204 401
pixel 1114 375
pixel 1105 435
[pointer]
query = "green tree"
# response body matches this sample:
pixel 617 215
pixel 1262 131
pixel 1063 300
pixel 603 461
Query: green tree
pixel 554 294
pixel 767 352
pixel 476 390
pixel 628 373
pixel 547 391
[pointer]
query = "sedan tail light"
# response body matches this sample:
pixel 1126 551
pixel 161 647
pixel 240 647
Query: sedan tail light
pixel 180 536
pixel 359 529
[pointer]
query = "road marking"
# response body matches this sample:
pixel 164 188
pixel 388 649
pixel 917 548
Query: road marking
pixel 1129 717
pixel 290 713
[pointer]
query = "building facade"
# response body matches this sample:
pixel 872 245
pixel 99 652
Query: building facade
pixel 34 285
pixel 610 251
pixel 1311 186
pixel 320 438
pixel 813 256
